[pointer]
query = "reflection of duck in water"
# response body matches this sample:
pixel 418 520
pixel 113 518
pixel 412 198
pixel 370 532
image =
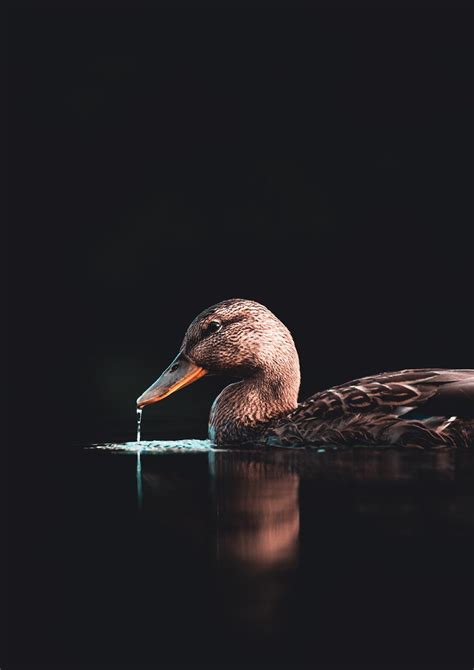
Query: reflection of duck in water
pixel 427 407
pixel 257 528
pixel 258 513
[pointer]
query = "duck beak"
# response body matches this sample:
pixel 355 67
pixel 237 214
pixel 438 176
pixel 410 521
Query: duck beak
pixel 177 375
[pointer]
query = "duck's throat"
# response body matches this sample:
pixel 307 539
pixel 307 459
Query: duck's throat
pixel 241 412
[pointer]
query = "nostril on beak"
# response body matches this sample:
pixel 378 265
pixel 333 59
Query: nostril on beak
pixel 174 367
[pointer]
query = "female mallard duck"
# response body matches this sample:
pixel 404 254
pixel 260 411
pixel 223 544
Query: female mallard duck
pixel 245 340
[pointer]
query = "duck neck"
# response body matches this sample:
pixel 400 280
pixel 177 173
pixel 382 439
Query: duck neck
pixel 242 409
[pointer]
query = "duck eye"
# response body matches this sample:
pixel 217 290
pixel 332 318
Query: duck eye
pixel 214 326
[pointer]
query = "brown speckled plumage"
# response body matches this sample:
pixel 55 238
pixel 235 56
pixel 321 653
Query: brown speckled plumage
pixel 413 408
pixel 383 409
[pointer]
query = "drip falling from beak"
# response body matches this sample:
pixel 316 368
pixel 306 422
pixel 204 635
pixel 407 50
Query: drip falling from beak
pixel 177 375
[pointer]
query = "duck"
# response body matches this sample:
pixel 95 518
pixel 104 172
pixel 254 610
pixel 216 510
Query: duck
pixel 243 339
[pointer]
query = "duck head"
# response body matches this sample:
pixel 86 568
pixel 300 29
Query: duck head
pixel 241 339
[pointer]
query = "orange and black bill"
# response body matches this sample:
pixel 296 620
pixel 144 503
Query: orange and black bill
pixel 179 374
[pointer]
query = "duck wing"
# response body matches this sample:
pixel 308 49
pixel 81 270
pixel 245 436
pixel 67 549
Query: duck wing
pixel 435 392
pixel 424 407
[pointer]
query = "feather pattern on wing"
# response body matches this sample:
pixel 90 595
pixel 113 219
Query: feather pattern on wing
pixel 367 411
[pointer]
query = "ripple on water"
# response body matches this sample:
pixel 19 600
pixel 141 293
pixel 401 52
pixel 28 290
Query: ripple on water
pixel 157 446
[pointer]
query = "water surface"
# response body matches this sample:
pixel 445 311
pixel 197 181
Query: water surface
pixel 173 553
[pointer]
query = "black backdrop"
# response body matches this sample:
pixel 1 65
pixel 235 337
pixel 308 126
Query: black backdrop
pixel 318 162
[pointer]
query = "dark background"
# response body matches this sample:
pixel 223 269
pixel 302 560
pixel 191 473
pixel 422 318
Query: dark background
pixel 318 162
